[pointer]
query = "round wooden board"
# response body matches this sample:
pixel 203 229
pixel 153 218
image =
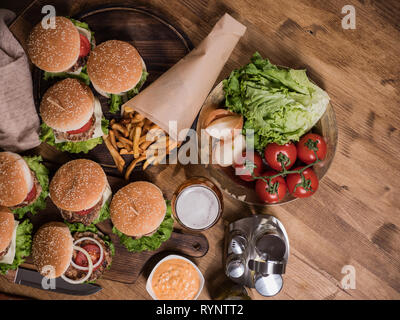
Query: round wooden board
pixel 160 44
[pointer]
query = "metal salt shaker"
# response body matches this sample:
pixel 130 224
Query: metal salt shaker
pixel 257 251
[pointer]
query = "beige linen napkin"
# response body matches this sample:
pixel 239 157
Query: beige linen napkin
pixel 179 93
pixel 19 122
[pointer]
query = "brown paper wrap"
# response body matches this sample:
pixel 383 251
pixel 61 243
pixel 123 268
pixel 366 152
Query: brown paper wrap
pixel 179 93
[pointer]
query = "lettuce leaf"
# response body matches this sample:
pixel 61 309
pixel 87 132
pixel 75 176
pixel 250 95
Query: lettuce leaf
pixel 117 100
pixel 47 135
pixel 22 248
pixel 152 242
pixel 80 227
pixel 115 103
pixel 104 213
pixel 42 175
pixel 279 104
pixel 83 25
pixel 83 76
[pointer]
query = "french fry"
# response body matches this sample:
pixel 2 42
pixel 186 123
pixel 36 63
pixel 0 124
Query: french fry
pixel 112 139
pixel 126 142
pixel 128 109
pixel 163 141
pixel 138 116
pixel 132 166
pixel 134 134
pixel 148 162
pixel 120 128
pixel 147 125
pixel 119 161
pixel 142 139
pixel 125 151
pixel 145 145
pixel 136 137
pixel 120 145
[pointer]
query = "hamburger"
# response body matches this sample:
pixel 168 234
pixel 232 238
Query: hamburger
pixel 81 192
pixel 61 51
pixel 72 117
pixel 15 241
pixel 73 252
pixel 141 217
pixel 24 183
pixel 117 71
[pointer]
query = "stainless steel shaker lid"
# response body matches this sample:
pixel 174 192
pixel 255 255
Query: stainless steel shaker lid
pixel 238 244
pixel 235 268
pixel 268 285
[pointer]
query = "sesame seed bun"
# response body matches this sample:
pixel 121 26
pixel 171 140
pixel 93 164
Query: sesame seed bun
pixel 7 225
pixel 114 66
pixel 67 105
pixel 52 246
pixel 78 185
pixel 54 50
pixel 138 209
pixel 15 179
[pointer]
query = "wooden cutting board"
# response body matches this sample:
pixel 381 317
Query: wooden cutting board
pixel 160 44
pixel 127 266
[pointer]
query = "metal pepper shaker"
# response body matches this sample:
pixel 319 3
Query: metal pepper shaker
pixel 257 251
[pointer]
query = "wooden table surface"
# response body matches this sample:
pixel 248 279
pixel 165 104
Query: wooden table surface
pixel 354 218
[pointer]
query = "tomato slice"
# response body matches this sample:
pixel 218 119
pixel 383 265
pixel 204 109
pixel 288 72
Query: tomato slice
pixel 31 195
pixel 85 46
pixel 84 212
pixel 94 253
pixel 85 128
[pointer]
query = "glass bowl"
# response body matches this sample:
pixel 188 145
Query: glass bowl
pixel 225 178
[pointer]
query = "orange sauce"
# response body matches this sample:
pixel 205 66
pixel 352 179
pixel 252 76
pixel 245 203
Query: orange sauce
pixel 175 279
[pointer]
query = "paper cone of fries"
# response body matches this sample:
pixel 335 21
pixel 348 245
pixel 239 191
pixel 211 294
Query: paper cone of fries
pixel 179 93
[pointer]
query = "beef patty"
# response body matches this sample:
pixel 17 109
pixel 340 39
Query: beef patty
pixel 75 274
pixel 81 62
pixel 83 136
pixel 87 219
pixel 38 192
pixel 2 254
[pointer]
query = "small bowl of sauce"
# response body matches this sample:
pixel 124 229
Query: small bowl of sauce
pixel 175 278
pixel 197 204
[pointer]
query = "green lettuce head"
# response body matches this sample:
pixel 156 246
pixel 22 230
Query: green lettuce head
pixel 47 135
pixel 22 248
pixel 279 104
pixel 42 175
pixel 152 242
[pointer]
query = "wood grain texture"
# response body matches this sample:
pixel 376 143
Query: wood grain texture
pixel 354 218
pixel 159 43
pixel 126 266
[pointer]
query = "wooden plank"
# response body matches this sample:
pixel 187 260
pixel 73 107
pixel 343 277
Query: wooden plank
pixel 354 216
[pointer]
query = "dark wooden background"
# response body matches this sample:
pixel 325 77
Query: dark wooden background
pixel 354 218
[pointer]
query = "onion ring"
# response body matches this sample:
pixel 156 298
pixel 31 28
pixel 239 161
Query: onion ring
pixel 90 268
pixel 101 253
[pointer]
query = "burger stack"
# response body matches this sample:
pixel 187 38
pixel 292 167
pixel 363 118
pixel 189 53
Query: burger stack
pixel 71 246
